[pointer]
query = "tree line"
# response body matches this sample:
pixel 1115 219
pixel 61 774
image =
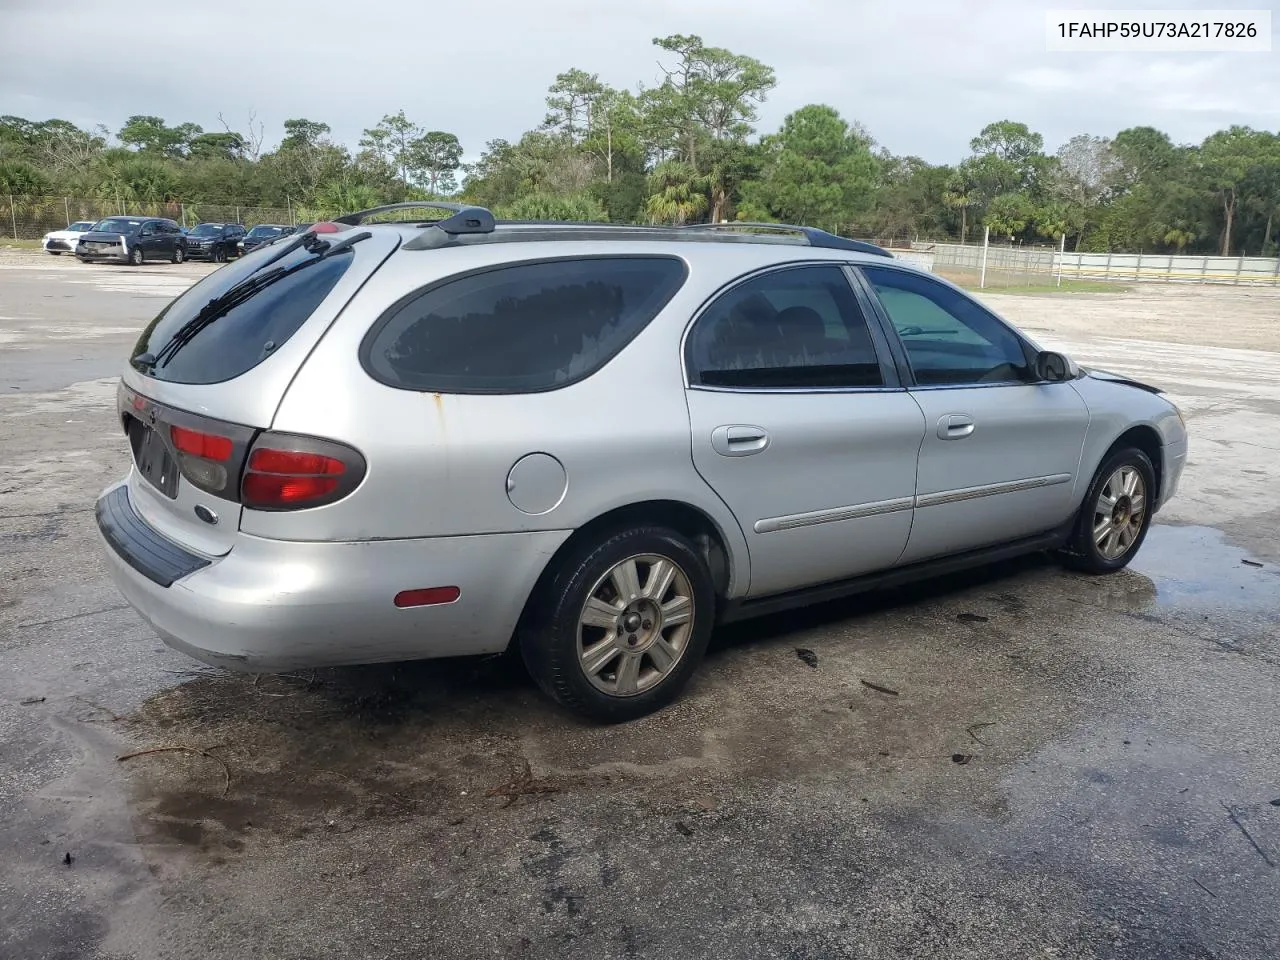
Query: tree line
pixel 686 149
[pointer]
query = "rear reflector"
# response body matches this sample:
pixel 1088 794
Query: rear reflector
pixel 427 596
pixel 210 446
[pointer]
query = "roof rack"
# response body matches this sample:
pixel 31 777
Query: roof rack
pixel 465 219
pixel 478 224
pixel 816 237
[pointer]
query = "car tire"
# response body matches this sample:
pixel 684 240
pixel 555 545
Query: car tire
pixel 1116 513
pixel 56 253
pixel 135 257
pixel 179 255
pixel 652 644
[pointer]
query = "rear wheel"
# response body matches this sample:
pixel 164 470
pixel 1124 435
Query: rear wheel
pixel 621 625
pixel 179 254
pixel 1116 513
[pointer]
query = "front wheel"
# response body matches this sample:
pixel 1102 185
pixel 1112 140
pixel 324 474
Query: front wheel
pixel 135 257
pixel 1115 515
pixel 620 626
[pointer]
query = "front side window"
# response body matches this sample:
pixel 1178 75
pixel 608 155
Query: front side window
pixel 521 328
pixel 794 328
pixel 950 339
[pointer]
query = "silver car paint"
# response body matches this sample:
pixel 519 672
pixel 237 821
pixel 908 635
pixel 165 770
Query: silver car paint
pixel 834 491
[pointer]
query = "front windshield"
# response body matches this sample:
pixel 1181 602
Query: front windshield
pixel 207 230
pixel 117 225
pixel 82 226
pixel 264 232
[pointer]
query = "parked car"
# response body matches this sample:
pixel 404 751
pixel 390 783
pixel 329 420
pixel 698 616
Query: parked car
pixel 262 233
pixel 218 242
pixel 59 242
pixel 391 441
pixel 133 240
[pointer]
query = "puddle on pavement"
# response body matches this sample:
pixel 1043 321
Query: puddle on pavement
pixel 1194 568
pixel 990 667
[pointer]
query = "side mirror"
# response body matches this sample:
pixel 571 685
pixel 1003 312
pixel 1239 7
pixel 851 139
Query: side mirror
pixel 1054 367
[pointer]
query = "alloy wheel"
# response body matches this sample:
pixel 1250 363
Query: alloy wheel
pixel 635 625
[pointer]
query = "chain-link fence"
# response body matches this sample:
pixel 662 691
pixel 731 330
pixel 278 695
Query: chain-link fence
pixel 30 218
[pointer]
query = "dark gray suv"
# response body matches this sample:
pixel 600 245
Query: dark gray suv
pixel 133 240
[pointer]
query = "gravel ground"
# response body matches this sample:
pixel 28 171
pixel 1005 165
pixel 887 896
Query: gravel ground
pixel 1047 765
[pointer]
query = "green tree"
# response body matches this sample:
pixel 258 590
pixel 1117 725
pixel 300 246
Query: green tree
pixel 677 193
pixel 580 207
pixel 961 194
pixel 148 134
pixel 817 170
pixel 391 143
pixel 708 93
pixel 1225 160
pixel 435 158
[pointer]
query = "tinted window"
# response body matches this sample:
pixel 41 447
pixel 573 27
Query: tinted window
pixel 246 334
pixel 799 327
pixel 118 225
pixel 520 328
pixel 949 338
pixel 206 230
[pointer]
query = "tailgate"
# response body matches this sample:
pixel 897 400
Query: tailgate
pixel 192 412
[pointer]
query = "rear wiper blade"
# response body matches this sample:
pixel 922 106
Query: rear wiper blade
pixel 221 305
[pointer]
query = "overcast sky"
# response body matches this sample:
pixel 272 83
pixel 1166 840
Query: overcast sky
pixel 923 75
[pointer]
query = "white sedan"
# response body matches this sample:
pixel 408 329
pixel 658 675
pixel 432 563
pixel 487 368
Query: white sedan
pixel 64 241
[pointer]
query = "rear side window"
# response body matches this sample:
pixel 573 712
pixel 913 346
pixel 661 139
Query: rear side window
pixel 196 340
pixel 522 328
pixel 795 328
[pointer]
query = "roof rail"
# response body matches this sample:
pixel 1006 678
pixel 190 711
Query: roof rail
pixel 465 219
pixel 815 237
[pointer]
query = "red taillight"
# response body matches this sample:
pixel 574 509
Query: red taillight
pixel 210 446
pixel 324 227
pixel 427 596
pixel 280 478
pixel 266 460
pixel 275 490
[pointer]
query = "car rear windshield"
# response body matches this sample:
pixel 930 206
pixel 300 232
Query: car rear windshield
pixel 521 328
pixel 193 344
pixel 265 231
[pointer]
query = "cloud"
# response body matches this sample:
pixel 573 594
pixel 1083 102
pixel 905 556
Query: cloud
pixel 924 76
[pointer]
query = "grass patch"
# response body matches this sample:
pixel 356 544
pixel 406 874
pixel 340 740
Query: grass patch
pixel 12 244
pixel 1068 286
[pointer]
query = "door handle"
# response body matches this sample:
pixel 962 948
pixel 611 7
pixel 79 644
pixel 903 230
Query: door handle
pixel 954 426
pixel 739 440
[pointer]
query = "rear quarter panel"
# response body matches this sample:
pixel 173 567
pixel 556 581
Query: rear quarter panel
pixel 438 463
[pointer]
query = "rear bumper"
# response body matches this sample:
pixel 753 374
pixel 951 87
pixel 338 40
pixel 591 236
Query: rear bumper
pixel 272 605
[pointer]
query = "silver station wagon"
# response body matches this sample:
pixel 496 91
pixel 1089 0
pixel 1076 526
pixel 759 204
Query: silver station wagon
pixel 383 441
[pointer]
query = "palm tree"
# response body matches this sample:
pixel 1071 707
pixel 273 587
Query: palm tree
pixel 677 193
pixel 959 195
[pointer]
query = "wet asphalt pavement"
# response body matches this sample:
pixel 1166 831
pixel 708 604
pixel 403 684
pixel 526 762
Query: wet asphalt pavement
pixel 1020 762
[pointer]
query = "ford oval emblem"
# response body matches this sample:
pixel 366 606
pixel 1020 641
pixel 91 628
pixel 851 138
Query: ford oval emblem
pixel 205 514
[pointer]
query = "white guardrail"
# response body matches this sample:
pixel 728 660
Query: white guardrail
pixel 1128 267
